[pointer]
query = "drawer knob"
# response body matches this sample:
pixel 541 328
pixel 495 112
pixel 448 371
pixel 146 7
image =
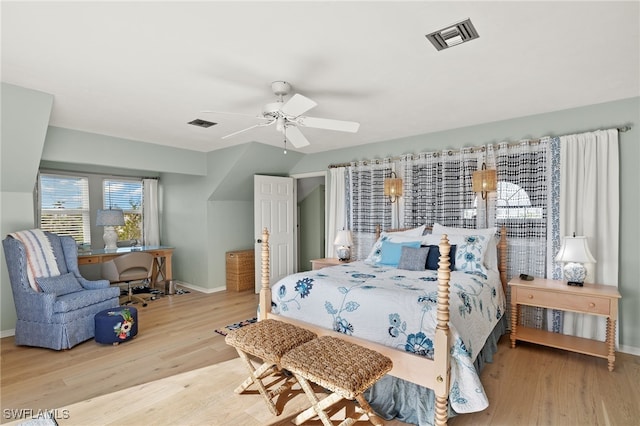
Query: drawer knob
pixel 592 305
pixel 530 296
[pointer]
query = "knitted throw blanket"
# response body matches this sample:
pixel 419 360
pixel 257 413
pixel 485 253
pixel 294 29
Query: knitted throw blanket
pixel 40 259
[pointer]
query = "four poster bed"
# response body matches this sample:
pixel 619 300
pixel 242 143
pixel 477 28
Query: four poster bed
pixel 427 321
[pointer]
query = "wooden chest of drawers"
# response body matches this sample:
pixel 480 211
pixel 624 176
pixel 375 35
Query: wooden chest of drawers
pixel 240 267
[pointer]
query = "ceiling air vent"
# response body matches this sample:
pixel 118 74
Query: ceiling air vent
pixel 453 35
pixel 202 123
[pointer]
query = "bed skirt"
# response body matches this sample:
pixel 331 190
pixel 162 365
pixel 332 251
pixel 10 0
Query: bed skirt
pixel 394 398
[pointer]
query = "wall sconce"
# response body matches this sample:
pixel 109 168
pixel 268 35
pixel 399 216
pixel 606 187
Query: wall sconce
pixel 343 241
pixel 393 187
pixel 110 218
pixel 575 253
pixel 484 181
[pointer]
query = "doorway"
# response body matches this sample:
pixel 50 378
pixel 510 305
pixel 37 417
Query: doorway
pixel 311 219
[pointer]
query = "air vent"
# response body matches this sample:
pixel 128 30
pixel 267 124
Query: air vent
pixel 202 123
pixel 453 35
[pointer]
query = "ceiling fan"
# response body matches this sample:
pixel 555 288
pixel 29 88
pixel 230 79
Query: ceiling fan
pixel 287 116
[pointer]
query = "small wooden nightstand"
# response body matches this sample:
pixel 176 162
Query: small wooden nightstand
pixel 591 299
pixel 327 261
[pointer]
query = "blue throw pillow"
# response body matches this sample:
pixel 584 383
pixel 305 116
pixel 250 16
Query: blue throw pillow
pixel 60 284
pixel 391 252
pixel 434 257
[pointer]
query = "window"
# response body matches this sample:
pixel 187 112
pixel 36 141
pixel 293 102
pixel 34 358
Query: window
pixel 125 194
pixel 64 206
pixel 512 202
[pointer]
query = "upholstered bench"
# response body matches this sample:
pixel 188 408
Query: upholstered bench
pixel 115 325
pixel 268 340
pixel 344 368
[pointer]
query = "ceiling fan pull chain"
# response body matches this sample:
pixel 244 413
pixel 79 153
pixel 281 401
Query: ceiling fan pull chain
pixel 284 132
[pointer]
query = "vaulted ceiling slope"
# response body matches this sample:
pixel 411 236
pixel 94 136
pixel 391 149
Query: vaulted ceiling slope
pixel 143 70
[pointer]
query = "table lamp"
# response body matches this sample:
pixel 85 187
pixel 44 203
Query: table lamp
pixel 343 241
pixel 575 253
pixel 110 218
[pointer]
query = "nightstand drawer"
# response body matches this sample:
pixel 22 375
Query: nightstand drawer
pixel 566 302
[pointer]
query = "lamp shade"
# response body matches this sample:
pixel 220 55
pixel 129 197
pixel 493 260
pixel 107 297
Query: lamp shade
pixel 343 238
pixel 575 249
pixel 485 180
pixel 110 217
pixel 393 187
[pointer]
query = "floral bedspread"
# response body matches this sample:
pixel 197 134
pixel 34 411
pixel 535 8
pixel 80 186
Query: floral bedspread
pixel 397 308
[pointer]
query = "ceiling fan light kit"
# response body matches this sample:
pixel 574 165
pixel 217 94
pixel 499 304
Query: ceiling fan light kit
pixel 287 116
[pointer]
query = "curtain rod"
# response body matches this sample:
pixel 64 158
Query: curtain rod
pixel 621 129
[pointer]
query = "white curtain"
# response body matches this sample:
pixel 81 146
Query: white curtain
pixel 150 216
pixel 590 206
pixel 337 208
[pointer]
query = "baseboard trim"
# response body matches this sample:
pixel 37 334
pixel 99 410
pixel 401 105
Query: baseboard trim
pixel 632 350
pixel 200 289
pixel 7 333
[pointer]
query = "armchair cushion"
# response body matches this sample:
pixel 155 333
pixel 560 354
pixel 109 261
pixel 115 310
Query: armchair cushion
pixel 60 284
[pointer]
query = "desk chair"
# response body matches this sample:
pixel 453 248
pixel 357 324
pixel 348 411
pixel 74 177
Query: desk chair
pixel 127 268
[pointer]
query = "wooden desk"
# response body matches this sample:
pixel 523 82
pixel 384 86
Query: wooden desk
pixel 161 259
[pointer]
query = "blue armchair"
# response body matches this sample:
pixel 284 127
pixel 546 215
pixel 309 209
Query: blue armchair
pixel 53 318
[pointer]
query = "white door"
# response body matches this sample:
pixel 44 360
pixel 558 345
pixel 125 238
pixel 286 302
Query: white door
pixel 274 209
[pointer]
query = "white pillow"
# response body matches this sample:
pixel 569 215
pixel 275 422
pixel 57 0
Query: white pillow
pixel 490 257
pixel 414 232
pixel 375 255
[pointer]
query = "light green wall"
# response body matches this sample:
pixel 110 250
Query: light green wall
pixel 311 227
pixel 25 115
pixel 206 198
pixel 578 120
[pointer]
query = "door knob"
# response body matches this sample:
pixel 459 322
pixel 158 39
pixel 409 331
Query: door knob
pixel 259 241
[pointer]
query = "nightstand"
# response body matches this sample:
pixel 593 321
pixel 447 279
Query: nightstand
pixel 594 299
pixel 327 261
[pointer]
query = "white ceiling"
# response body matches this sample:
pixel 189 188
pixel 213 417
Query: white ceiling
pixel 142 70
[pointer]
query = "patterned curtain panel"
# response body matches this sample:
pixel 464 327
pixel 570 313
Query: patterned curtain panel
pixel 437 188
pixel 521 204
pixel 368 205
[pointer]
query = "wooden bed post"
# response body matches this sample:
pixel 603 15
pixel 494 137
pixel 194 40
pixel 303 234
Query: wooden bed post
pixel 265 290
pixel 441 339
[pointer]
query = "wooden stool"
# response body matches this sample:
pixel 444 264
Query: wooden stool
pixel 342 367
pixel 268 340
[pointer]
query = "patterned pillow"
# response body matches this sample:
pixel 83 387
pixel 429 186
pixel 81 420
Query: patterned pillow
pixel 413 258
pixel 60 284
pixel 470 253
pixel 434 257
pixel 490 258
pixel 375 255
pixel 391 252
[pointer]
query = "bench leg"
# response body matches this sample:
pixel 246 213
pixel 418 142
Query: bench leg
pixel 317 407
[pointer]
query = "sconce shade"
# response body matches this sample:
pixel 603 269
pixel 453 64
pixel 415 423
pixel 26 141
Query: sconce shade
pixel 110 217
pixel 485 180
pixel 393 187
pixel 575 249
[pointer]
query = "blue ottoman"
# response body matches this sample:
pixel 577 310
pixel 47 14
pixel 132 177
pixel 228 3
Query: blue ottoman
pixel 115 325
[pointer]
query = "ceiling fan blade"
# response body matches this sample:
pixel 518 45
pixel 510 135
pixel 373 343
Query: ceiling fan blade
pixel 297 105
pixel 295 136
pixel 248 128
pixel 325 123
pixel 236 113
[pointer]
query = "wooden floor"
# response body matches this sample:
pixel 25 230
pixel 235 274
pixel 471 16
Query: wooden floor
pixel 178 364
